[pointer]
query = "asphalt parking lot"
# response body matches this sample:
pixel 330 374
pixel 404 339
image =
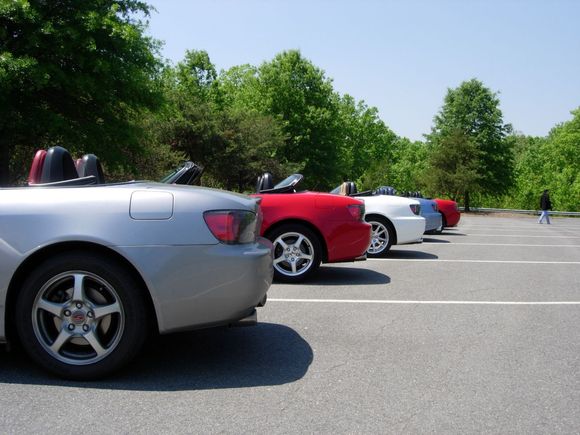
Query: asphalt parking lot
pixel 474 330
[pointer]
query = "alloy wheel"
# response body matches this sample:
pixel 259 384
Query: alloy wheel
pixel 379 238
pixel 293 254
pixel 78 318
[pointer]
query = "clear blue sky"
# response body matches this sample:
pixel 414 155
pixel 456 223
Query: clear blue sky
pixel 400 56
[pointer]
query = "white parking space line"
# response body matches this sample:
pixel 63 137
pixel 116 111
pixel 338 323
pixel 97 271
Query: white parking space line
pixel 403 302
pixel 515 230
pixel 436 260
pixel 534 225
pixel 501 244
pixel 520 235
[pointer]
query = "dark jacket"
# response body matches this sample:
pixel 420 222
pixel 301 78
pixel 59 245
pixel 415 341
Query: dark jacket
pixel 545 203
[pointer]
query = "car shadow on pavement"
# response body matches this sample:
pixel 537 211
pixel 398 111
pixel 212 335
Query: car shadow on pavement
pixel 263 355
pixel 331 275
pixel 447 233
pixel 410 255
pixel 432 240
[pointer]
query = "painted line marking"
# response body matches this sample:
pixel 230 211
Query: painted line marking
pixel 436 260
pixel 500 244
pixel 411 302
pixel 520 235
pixel 522 229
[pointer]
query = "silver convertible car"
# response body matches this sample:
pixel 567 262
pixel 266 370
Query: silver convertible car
pixel 89 270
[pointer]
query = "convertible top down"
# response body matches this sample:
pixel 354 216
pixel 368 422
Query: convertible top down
pixel 87 271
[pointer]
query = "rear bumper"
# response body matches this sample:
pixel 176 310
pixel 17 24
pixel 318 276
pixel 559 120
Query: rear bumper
pixel 409 229
pixel 199 286
pixel 348 242
pixel 433 221
pixel 452 218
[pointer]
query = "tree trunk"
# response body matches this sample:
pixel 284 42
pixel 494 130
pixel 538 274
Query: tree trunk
pixel 466 201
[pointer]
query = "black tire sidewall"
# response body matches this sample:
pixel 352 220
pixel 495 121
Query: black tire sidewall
pixel 314 240
pixel 130 296
pixel 443 221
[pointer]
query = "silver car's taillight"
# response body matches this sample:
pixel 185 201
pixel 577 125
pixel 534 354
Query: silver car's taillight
pixel 415 208
pixel 232 226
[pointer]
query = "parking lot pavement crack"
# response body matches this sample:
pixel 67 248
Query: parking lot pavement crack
pixel 334 367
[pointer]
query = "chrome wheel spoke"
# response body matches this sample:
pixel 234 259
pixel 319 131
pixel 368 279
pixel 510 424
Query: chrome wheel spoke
pixel 105 310
pixel 281 242
pixel 279 259
pixel 94 342
pixel 299 241
pixel 293 265
pixel 78 291
pixel 60 340
pixel 306 257
pixel 51 307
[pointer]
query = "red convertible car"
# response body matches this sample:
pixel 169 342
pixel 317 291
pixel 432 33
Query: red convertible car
pixel 308 228
pixel 449 212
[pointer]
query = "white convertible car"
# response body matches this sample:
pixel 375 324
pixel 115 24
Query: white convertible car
pixel 395 220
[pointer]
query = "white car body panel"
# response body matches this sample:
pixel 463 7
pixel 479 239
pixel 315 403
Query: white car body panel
pixel 408 226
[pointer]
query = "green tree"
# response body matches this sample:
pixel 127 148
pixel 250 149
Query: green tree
pixel 409 165
pixel 561 169
pixel 297 93
pixel 472 110
pixel 207 119
pixel 454 166
pixel 77 73
pixel 365 139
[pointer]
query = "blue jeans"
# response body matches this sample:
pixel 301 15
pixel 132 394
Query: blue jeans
pixel 546 215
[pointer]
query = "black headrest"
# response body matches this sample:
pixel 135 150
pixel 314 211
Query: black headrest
pixel 265 182
pixel 90 165
pixel 386 190
pixel 351 188
pixel 58 166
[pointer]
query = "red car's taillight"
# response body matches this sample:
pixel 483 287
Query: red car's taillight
pixel 415 208
pixel 232 226
pixel 357 211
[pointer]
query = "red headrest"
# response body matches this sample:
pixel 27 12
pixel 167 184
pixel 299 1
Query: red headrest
pixel 36 167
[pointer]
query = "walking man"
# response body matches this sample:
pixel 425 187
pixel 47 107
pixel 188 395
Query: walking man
pixel 545 205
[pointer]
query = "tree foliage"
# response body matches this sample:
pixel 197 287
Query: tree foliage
pixel 203 121
pixel 472 110
pixel 454 166
pixel 297 93
pixel 83 74
pixel 76 73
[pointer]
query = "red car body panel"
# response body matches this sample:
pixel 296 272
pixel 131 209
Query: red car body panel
pixel 449 210
pixel 344 237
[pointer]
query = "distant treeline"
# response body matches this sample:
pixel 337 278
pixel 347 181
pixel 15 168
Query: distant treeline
pixel 84 75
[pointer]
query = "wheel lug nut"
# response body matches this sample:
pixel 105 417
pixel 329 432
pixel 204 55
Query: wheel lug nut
pixel 85 328
pixel 90 314
pixel 71 327
pixel 67 313
pixel 79 305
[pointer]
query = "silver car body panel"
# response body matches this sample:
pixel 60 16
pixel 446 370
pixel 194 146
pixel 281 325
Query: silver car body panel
pixel 193 279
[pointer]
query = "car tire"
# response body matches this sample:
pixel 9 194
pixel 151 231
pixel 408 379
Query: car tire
pixel 81 315
pixel 382 236
pixel 297 252
pixel 443 222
